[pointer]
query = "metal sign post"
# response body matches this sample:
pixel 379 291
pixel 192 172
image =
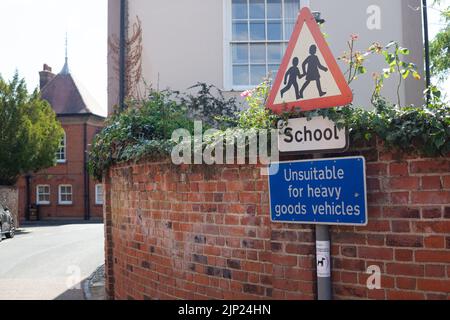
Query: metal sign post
pixel 323 254
pixel 323 262
pixel 321 192
pixel 323 259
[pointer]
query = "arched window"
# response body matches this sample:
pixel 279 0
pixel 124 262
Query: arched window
pixel 61 153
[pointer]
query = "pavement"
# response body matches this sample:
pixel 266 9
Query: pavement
pixel 53 261
pixel 94 286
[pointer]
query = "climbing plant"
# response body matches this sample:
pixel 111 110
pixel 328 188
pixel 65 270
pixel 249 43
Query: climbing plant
pixel 145 130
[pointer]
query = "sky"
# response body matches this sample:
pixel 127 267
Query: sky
pixel 33 32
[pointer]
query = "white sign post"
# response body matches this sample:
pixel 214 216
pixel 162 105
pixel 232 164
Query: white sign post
pixel 316 135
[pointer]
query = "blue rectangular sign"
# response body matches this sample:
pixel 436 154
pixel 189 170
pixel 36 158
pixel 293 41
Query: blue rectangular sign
pixel 325 191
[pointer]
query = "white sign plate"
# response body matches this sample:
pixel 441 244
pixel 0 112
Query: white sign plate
pixel 318 134
pixel 323 259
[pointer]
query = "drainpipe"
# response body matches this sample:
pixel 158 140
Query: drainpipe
pixel 122 54
pixel 427 48
pixel 28 195
pixel 87 207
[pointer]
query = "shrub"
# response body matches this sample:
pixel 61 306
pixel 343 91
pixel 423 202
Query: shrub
pixel 30 134
pixel 146 131
pixel 146 127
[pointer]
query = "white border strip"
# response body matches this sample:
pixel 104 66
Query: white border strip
pixel 324 223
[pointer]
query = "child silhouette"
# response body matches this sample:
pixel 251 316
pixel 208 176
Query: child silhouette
pixel 293 73
pixel 310 69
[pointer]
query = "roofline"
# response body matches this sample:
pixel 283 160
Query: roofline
pixel 77 86
pixel 84 115
pixel 80 87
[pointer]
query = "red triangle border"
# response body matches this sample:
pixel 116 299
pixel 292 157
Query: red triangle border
pixel 346 97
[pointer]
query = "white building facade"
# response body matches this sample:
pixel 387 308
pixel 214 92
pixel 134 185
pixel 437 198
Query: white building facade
pixel 234 44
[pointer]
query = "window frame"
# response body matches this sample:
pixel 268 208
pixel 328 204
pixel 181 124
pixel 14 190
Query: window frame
pixel 228 40
pixel 96 194
pixel 65 203
pixel 45 203
pixel 62 161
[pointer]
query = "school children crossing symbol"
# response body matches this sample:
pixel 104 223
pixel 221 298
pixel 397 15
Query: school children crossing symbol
pixel 309 76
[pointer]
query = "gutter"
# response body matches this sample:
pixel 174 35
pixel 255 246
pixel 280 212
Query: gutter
pixel 28 197
pixel 81 115
pixel 87 206
pixel 427 48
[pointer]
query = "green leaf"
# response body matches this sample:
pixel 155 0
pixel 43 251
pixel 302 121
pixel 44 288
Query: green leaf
pixel 404 51
pixel 405 73
pixel 362 70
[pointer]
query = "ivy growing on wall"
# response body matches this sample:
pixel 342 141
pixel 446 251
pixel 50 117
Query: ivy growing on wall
pixel 145 129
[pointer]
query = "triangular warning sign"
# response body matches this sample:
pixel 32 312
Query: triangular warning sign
pixel 309 76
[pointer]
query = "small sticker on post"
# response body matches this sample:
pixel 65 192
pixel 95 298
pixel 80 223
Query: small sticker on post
pixel 323 259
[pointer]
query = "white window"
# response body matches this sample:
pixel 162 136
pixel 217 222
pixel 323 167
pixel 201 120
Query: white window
pixel 65 194
pixel 61 153
pixel 99 194
pixel 256 36
pixel 43 194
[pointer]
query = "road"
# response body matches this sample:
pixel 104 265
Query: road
pixel 50 262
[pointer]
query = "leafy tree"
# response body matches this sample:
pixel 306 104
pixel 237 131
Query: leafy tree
pixel 440 47
pixel 29 131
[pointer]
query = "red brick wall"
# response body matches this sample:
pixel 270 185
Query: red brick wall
pixel 71 173
pixel 408 236
pixel 197 232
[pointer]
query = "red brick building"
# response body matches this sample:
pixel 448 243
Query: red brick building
pixel 66 191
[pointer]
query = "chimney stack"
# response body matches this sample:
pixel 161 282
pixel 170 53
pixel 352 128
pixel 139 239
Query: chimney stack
pixel 45 76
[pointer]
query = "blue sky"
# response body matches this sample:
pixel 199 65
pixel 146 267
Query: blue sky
pixel 32 33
